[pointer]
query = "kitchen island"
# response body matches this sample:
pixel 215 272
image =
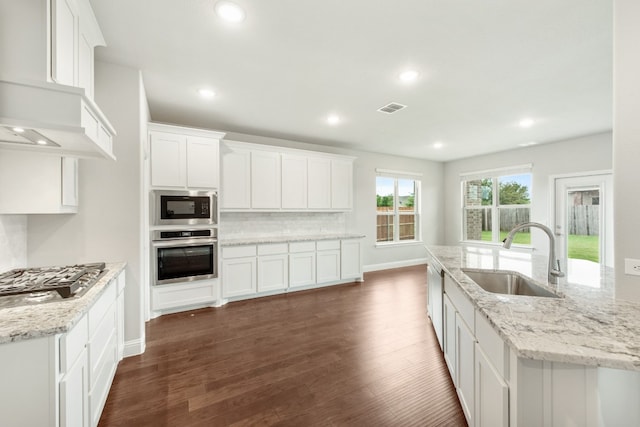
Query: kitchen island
pixel 573 359
pixel 58 358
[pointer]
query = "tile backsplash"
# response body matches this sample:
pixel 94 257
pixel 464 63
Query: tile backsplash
pixel 13 242
pixel 258 224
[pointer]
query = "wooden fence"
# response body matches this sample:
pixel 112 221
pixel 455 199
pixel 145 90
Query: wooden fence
pixel 584 220
pixel 384 232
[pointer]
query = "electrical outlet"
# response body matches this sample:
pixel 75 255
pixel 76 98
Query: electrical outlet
pixel 632 266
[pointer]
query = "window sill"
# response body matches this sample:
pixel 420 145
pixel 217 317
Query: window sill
pixel 399 243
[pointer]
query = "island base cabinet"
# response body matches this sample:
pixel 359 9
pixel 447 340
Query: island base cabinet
pixel 73 395
pixel 465 351
pixel 491 394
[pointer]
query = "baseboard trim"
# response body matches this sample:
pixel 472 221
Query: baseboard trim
pixel 134 347
pixel 394 264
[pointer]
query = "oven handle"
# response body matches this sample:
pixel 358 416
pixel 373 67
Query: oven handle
pixel 183 242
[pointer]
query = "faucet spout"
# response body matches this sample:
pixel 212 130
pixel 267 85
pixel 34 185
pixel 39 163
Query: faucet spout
pixel 554 271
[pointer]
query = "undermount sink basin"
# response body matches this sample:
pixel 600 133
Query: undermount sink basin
pixel 507 282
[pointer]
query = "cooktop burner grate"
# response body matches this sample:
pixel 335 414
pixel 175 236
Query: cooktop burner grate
pixel 65 280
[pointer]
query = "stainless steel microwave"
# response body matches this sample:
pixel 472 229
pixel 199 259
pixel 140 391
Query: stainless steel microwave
pixel 184 207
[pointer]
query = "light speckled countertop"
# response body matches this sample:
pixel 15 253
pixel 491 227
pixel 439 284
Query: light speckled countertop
pixel 40 320
pixel 285 239
pixel 587 326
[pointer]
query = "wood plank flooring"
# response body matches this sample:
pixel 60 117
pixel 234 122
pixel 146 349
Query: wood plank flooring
pixel 361 354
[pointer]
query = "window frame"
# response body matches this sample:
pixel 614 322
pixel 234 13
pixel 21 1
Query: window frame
pixel 494 175
pixel 396 213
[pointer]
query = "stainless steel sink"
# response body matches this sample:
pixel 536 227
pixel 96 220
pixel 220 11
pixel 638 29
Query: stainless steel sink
pixel 507 282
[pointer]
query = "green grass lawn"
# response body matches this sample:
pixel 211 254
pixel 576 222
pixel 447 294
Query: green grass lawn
pixel 580 247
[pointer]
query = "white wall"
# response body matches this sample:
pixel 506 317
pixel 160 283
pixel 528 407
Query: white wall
pixel 362 219
pixel 107 226
pixel 13 242
pixel 626 143
pixel 588 153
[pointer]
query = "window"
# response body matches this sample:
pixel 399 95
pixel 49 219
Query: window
pixel 398 207
pixel 494 202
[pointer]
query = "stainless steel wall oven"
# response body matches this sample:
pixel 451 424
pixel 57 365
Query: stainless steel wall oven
pixel 184 255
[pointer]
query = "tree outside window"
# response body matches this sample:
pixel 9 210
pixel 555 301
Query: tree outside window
pixel 397 216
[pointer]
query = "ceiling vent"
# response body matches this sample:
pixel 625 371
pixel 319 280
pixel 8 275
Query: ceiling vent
pixel 391 108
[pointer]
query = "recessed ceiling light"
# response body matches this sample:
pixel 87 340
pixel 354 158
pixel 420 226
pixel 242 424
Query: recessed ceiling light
pixel 230 12
pixel 438 145
pixel 408 76
pixel 206 93
pixel 18 130
pixel 526 123
pixel 333 119
pixel 527 144
pixel 41 142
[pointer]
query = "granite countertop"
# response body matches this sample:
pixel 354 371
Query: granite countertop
pixel 586 326
pixel 238 241
pixel 40 320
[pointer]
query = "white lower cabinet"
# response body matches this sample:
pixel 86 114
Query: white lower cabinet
pixel 239 271
pixel 63 380
pixel 491 393
pixel 273 267
pixel 302 269
pixel 465 351
pixel 249 270
pixel 449 339
pixel 328 261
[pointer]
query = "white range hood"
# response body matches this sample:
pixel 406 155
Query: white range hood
pixel 55 118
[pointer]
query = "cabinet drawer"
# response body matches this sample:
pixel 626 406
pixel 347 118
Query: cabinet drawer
pixel 492 345
pixel 273 249
pixel 325 245
pixel 100 345
pixel 460 301
pixel 101 307
pixel 180 295
pixel 101 381
pixel 72 344
pixel 238 251
pixel 302 247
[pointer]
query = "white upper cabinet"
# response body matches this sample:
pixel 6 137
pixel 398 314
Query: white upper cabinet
pixel 183 158
pixel 282 179
pixel 341 184
pixel 202 162
pixel 168 160
pixel 236 178
pixel 265 180
pixel 294 181
pixel 319 183
pixel 37 183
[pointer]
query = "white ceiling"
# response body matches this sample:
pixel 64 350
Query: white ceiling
pixel 484 66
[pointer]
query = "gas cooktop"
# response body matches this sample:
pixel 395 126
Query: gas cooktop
pixel 35 285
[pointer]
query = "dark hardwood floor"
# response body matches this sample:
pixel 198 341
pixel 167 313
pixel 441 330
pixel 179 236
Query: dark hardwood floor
pixel 361 354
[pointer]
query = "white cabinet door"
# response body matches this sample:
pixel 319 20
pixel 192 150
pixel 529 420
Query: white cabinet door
pixel 73 394
pixel 302 269
pixel 465 351
pixel 350 259
pixel 168 160
pixel 202 162
pixel 327 266
pixel 491 394
pixel 273 272
pixel 69 181
pixel 319 183
pixel 449 339
pixel 239 277
pixel 236 179
pixel 85 58
pixel 294 182
pixel 341 184
pixel 265 180
pixel 63 40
